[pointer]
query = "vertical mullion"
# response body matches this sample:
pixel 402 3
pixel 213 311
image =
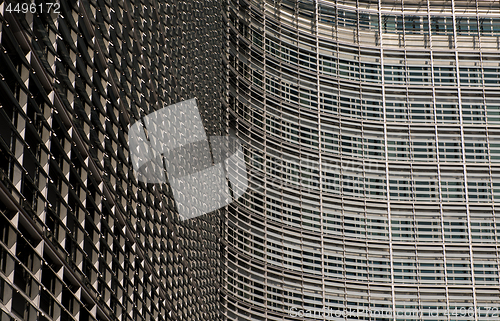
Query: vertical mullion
pixel 438 165
pixel 388 191
pixel 264 92
pixel 318 101
pixel 464 166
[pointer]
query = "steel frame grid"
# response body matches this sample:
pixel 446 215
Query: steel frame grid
pixel 434 224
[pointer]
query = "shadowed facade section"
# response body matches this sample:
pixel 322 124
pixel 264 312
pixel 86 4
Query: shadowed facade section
pixel 80 237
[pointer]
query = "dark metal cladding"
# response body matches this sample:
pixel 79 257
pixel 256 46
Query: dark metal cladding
pixel 80 237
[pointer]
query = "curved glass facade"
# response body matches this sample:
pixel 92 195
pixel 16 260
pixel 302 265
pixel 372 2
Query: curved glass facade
pixel 372 131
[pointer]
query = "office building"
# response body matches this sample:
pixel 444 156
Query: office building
pixel 372 138
pixel 372 135
pixel 80 237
